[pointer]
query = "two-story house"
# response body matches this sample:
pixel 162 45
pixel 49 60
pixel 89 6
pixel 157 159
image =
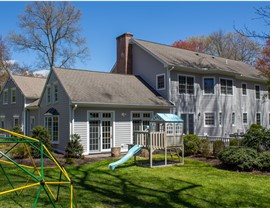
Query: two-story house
pixel 103 108
pixel 213 95
pixel 18 102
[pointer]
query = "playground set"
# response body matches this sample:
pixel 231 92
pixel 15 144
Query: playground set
pixel 35 176
pixel 164 134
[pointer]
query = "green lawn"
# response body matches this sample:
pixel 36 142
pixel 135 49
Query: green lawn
pixel 196 184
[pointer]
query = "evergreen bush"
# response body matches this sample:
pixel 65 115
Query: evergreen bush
pixel 43 135
pixel 74 148
pixel 192 144
pixel 205 148
pixel 262 162
pixel 218 146
pixel 235 142
pixel 19 151
pixel 238 158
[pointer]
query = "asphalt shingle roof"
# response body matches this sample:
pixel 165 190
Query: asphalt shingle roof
pixel 31 87
pixel 107 88
pixel 185 58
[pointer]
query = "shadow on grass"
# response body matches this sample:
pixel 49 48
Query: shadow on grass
pixel 111 188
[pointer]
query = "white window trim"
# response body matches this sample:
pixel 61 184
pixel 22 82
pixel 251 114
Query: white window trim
pixel 159 75
pixel 205 125
pixel 260 117
pixel 54 84
pixel 220 119
pixel 186 75
pixel 11 92
pixel 141 117
pixel 32 117
pixel 242 89
pixel 5 91
pixel 243 118
pixel 233 113
pixel 53 142
pixel 226 85
pixel 173 129
pixel 48 86
pixel 16 117
pixel 259 91
pixel 214 85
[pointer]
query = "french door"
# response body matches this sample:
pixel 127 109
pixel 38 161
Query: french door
pixel 100 131
pixel 188 126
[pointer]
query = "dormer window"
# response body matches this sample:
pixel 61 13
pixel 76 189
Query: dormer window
pixel 160 82
pixel 55 92
pixel 13 95
pixel 5 96
pixel 48 94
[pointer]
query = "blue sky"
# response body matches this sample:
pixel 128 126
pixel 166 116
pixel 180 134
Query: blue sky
pixel 161 22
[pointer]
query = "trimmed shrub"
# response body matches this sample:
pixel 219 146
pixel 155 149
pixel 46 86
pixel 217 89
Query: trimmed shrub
pixel 263 161
pixel 238 158
pixel 235 142
pixel 205 148
pixel 192 144
pixel 17 129
pixel 74 148
pixel 218 146
pixel 43 135
pixel 254 138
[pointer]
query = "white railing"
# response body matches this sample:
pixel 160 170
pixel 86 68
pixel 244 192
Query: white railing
pixel 155 139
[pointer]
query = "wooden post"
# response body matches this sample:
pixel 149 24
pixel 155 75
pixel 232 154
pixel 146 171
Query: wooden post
pixel 165 144
pixel 150 148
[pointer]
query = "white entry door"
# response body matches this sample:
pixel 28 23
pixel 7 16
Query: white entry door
pixel 100 131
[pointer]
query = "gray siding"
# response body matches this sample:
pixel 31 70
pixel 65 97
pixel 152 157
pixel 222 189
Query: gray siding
pixel 10 110
pixel 199 104
pixel 148 67
pixel 62 106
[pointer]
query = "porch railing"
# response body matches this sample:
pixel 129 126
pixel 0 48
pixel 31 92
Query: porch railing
pixel 155 139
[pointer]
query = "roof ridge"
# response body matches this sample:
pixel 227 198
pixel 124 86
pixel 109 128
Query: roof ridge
pixel 21 75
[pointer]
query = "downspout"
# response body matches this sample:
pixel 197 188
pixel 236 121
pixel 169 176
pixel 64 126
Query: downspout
pixel 73 115
pixel 169 92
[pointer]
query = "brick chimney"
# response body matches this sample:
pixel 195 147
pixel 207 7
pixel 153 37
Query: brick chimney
pixel 124 54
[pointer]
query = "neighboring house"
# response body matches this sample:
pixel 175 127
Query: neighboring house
pixel 103 108
pixel 17 94
pixel 214 96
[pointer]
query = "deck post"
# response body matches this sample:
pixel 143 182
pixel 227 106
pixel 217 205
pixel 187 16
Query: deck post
pixel 150 148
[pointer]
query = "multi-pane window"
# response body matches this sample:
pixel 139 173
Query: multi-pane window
pixel 160 82
pixel 169 128
pixel 226 86
pixel 245 118
pixel 48 94
pixel 233 118
pixel 186 85
pixel 257 92
pixel 52 125
pixel 32 122
pixel 209 119
pixel 55 92
pixel 209 85
pixel 178 128
pixel 16 121
pixel 141 120
pixel 5 96
pixel 13 95
pixel 258 118
pixel 220 118
pixel 244 89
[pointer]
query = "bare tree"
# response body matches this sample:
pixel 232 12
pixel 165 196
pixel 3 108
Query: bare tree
pixel 4 57
pixel 52 30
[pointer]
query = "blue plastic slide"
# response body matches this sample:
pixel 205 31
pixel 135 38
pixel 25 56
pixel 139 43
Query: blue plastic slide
pixel 135 149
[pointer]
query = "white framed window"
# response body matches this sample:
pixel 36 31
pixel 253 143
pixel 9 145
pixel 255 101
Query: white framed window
pixel 13 95
pixel 5 96
pixel 52 125
pixel 55 92
pixel 245 118
pixel 16 121
pixel 257 92
pixel 48 94
pixel 178 128
pixel 233 118
pixel 186 84
pixel 32 122
pixel 226 86
pixel 258 118
pixel 220 118
pixel 141 120
pixel 2 121
pixel 209 85
pixel 244 89
pixel 169 128
pixel 160 82
pixel 209 119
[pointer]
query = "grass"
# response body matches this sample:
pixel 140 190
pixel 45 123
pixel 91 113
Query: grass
pixel 196 184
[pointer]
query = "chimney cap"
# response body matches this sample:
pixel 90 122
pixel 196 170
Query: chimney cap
pixel 125 34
